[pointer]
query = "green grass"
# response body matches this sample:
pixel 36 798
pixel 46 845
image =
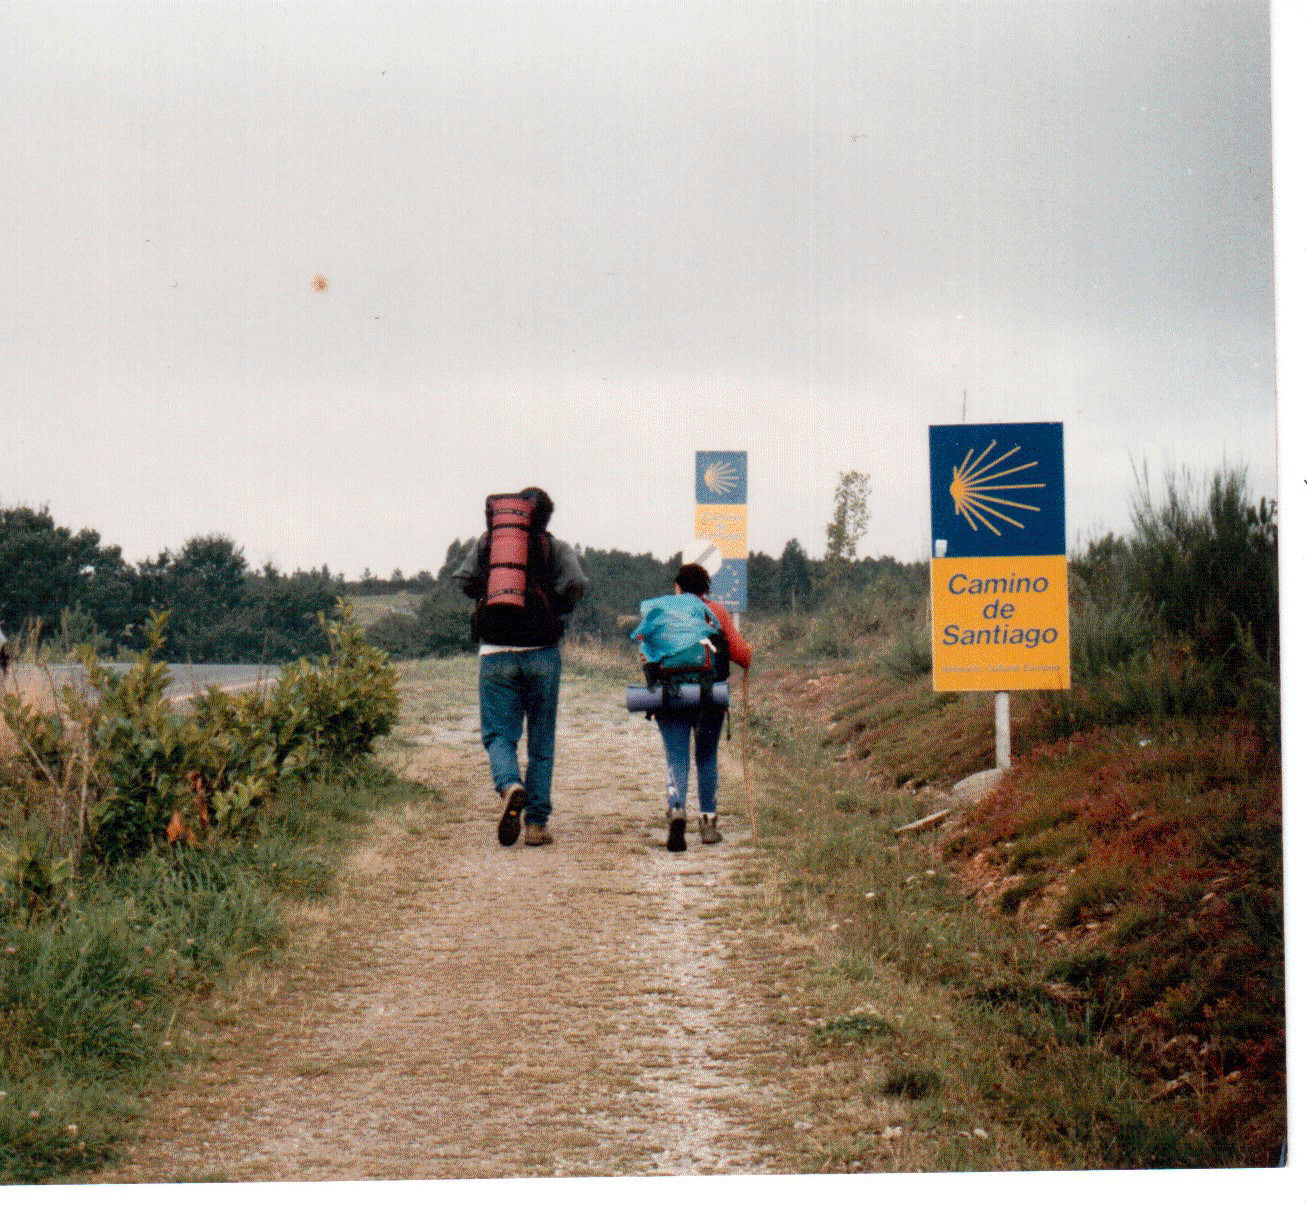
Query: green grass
pixel 94 998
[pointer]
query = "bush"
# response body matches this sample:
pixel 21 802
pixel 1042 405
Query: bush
pixel 112 770
pixel 1210 570
pixel 400 635
pixel 1108 633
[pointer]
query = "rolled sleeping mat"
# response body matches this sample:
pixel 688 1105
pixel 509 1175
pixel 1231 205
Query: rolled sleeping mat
pixel 640 698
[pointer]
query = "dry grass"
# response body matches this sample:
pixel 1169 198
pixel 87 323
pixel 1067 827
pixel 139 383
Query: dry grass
pixel 597 655
pixel 33 689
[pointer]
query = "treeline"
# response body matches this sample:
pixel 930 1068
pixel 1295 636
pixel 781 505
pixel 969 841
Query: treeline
pixel 69 588
pixel 793 582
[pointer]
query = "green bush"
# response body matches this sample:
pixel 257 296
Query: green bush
pixel 400 635
pixel 1208 565
pixel 114 769
pixel 1108 633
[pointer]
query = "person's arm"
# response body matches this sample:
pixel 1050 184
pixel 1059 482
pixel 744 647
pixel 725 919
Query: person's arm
pixel 469 575
pixel 740 651
pixel 570 582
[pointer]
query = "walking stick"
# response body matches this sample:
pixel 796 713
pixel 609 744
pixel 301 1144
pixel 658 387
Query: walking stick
pixel 744 756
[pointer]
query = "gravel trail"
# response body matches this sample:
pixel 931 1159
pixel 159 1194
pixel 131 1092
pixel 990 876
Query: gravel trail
pixel 459 1010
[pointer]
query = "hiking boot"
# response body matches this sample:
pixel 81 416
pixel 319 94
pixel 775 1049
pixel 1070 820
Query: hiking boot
pixel 708 829
pixel 538 835
pixel 676 829
pixel 510 825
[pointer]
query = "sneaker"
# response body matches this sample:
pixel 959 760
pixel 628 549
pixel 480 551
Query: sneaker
pixel 538 835
pixel 676 829
pixel 708 833
pixel 510 825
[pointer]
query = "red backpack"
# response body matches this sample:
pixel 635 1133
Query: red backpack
pixel 518 607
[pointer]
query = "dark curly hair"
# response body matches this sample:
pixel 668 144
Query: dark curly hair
pixel 544 509
pixel 693 579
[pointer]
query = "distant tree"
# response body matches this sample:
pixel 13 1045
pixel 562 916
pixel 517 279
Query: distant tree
pixel 795 576
pixel 764 583
pixel 288 607
pixel 618 582
pixel 849 523
pixel 205 588
pixel 46 568
pixel 454 556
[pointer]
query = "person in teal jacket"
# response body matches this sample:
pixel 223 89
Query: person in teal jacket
pixel 703 729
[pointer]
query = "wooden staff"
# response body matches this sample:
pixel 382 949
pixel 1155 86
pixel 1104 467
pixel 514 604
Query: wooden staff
pixel 744 755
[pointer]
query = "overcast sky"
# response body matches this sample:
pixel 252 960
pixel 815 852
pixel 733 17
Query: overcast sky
pixel 570 244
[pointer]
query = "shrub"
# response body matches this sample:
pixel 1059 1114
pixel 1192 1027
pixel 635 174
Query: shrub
pixel 111 769
pixel 1108 633
pixel 910 655
pixel 1209 571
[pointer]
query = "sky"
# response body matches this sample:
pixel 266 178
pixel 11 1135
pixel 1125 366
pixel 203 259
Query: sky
pixel 569 244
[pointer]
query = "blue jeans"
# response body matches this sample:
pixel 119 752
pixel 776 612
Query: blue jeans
pixel 517 687
pixel 677 729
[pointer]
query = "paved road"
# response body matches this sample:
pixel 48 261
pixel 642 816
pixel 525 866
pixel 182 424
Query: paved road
pixel 187 679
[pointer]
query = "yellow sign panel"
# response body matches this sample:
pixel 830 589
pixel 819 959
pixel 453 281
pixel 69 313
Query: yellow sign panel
pixel 726 525
pixel 1000 623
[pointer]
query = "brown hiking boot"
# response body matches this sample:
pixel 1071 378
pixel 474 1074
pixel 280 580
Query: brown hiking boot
pixel 676 829
pixel 708 829
pixel 538 835
pixel 510 825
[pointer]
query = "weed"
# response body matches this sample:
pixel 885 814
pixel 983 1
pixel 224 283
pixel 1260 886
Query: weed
pixel 1091 890
pixel 1010 900
pixel 912 1083
pixel 849 1027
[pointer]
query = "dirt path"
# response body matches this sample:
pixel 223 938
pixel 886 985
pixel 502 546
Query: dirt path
pixel 461 1010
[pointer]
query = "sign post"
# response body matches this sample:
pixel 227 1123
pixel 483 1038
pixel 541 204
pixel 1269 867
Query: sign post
pixel 721 515
pixel 998 578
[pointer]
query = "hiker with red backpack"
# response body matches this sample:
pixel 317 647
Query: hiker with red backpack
pixel 689 705
pixel 526 582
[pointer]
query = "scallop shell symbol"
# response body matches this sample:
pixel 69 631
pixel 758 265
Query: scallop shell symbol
pixel 979 495
pixel 721 477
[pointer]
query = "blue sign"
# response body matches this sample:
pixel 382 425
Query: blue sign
pixel 730 584
pixel 997 489
pixel 721 478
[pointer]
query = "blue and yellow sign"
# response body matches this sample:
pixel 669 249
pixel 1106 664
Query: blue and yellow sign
pixel 999 607
pixel 996 489
pixel 721 515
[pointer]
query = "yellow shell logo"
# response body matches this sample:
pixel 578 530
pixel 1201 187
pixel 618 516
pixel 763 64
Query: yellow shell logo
pixel 721 477
pixel 978 494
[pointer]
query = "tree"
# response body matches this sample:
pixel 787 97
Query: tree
pixel 795 578
pixel 205 588
pixel 849 523
pixel 46 568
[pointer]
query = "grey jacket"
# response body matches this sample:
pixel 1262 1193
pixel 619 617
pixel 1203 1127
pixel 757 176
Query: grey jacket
pixel 569 583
